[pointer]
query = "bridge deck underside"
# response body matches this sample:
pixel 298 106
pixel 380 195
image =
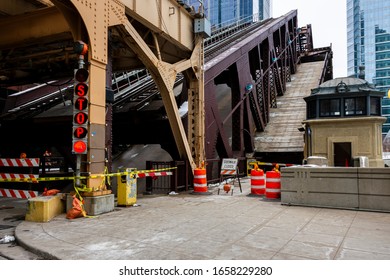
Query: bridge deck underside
pixel 281 133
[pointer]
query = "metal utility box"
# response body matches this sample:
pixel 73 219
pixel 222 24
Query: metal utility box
pixel 202 26
pixel 127 187
pixel 360 162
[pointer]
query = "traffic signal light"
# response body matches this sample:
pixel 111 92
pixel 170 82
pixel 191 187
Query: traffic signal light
pixel 80 112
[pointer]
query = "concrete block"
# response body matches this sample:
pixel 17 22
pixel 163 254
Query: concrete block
pixel 357 188
pixel 333 187
pixel 94 205
pixel 290 186
pixel 44 208
pixel 328 187
pixel 374 188
pixel 320 161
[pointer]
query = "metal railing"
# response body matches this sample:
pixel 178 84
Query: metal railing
pixel 178 181
pixel 226 29
pixel 181 179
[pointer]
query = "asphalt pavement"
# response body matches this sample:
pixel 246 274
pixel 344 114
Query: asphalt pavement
pixel 207 227
pixel 12 213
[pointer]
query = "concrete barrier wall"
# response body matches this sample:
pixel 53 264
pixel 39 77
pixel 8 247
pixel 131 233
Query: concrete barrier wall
pixel 374 188
pixel 338 187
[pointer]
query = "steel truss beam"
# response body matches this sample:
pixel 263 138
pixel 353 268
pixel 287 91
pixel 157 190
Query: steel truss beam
pixel 118 15
pixel 256 70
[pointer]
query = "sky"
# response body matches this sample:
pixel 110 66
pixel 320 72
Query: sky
pixel 328 20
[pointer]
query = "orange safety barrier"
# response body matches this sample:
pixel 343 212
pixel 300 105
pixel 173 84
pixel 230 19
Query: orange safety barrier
pixel 272 185
pixel 200 180
pixel 257 182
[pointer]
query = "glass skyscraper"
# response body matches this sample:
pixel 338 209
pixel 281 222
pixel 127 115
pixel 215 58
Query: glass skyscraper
pixel 368 39
pixel 225 12
pixel 259 8
pixel 264 9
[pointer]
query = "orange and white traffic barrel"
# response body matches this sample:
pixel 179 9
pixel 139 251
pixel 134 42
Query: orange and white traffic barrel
pixel 257 182
pixel 272 185
pixel 200 181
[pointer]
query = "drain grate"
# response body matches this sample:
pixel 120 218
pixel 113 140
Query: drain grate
pixel 5 227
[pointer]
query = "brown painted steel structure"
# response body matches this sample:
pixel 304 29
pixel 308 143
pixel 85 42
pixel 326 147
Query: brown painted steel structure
pixel 157 35
pixel 135 34
pixel 256 69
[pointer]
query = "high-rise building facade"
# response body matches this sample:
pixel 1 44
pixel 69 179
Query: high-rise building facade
pixel 368 39
pixel 225 12
pixel 264 9
pixel 248 8
pixel 261 9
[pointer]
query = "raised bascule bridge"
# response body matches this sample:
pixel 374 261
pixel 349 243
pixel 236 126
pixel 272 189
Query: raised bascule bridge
pixel 157 75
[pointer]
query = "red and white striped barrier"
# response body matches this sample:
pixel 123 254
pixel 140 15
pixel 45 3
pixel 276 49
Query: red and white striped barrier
pixel 11 177
pixel 228 172
pixel 19 162
pixel 18 193
pixel 153 174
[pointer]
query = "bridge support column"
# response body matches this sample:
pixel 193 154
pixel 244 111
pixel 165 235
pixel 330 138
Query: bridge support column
pixel 196 106
pixel 84 26
pixel 164 75
pixel 97 126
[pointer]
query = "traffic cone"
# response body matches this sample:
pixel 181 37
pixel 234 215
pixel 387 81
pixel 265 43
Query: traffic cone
pixel 257 182
pixel 200 182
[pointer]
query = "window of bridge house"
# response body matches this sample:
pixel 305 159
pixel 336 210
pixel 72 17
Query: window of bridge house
pixel 311 109
pixel 330 107
pixel 375 106
pixel 355 106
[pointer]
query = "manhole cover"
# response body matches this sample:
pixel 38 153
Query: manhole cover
pixel 5 227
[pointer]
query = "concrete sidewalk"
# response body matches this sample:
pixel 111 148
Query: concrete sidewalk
pixel 203 227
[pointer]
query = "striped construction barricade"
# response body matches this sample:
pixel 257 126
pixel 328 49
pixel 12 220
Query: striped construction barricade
pixel 31 163
pixel 257 182
pixel 24 194
pixel 19 170
pixel 153 174
pixel 272 185
pixel 200 181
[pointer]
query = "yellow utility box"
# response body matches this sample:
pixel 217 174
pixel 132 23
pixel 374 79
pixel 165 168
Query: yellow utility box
pixel 44 208
pixel 127 188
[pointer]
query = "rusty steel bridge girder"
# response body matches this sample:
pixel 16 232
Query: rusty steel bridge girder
pixel 256 70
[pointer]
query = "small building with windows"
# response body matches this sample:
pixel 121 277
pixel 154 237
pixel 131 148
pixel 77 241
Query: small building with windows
pixel 344 122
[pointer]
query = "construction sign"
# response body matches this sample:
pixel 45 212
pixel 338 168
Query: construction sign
pixel 229 166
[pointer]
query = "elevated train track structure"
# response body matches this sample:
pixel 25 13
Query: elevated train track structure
pixel 148 80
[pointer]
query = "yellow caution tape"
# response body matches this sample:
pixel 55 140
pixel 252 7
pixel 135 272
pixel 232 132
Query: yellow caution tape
pixel 268 163
pixel 20 180
pixel 95 176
